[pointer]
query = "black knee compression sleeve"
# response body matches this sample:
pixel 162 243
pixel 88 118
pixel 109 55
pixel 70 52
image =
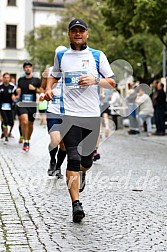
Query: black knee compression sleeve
pixel 73 159
pixel 87 161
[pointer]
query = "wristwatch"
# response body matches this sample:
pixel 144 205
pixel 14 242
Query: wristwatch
pixel 97 80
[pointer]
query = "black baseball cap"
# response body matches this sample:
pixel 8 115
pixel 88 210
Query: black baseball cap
pixel 77 22
pixel 27 63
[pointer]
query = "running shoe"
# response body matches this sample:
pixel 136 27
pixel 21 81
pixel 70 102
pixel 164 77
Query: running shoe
pixel 10 135
pixel 26 146
pixel 78 212
pixel 96 156
pixel 58 174
pixel 52 169
pixel 82 181
pixel 6 140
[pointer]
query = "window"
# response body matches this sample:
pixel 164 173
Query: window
pixel 11 33
pixel 11 2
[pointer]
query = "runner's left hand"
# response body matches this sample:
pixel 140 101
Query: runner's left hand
pixel 86 80
pixel 31 87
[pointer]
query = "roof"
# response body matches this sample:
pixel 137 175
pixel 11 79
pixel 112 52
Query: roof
pixel 54 3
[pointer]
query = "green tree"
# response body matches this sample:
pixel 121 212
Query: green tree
pixel 153 14
pixel 42 41
pixel 114 28
pixel 90 10
pixel 129 18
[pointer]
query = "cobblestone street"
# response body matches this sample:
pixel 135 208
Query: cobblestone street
pixel 125 198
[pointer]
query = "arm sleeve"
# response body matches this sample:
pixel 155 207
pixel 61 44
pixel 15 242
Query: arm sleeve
pixel 56 69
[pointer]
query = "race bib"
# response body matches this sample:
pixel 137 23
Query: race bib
pixel 27 98
pixel 71 79
pixel 6 106
pixel 56 99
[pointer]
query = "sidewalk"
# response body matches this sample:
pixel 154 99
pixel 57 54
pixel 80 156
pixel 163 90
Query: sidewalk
pixel 156 139
pixel 125 198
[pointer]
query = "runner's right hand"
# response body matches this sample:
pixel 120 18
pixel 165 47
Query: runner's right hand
pixel 41 97
pixel 48 95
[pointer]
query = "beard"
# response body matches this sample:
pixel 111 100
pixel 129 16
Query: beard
pixel 28 73
pixel 82 46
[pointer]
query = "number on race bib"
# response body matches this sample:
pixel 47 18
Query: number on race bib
pixel 71 79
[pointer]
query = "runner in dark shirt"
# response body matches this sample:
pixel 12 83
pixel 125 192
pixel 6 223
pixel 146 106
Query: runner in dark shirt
pixel 7 96
pixel 28 86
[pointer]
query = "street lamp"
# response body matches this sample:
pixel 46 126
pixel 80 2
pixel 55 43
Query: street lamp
pixel 164 61
pixel 164 66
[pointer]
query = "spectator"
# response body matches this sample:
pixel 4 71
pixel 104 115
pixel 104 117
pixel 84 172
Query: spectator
pixel 145 110
pixel 159 102
pixel 105 111
pixel 132 110
pixel 114 103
